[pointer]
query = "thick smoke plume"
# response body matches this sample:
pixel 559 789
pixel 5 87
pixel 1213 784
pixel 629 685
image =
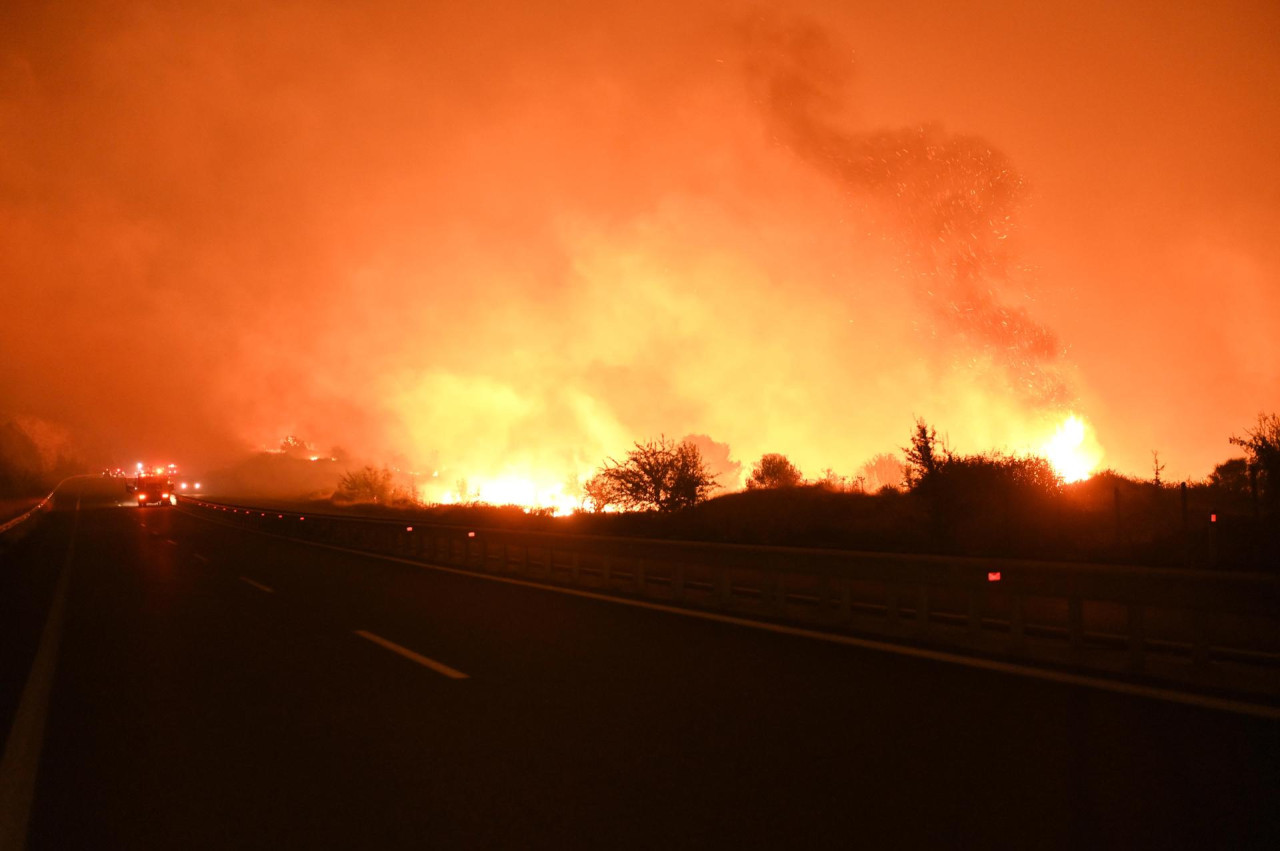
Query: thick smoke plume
pixel 951 201
pixel 499 242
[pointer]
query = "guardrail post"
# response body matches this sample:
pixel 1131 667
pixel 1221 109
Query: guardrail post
pixel 975 616
pixel 724 587
pixel 1075 622
pixel 484 555
pixel 892 611
pixel 677 582
pixel 551 562
pixel 506 558
pixel 825 599
pixel 574 565
pixel 608 572
pixel 922 608
pixel 1199 641
pixel 1136 638
pixel 846 601
pixel 639 578
pixel 1017 624
pixel 524 561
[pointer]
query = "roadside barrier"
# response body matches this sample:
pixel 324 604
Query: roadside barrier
pixel 1214 631
pixel 18 526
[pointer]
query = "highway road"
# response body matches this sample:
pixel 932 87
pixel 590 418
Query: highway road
pixel 217 688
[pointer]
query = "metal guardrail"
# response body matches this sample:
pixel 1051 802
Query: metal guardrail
pixel 1216 631
pixel 27 515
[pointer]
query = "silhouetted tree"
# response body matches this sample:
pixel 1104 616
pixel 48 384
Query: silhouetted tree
pixel 1231 476
pixel 774 471
pixel 1262 449
pixel 926 455
pixel 1156 468
pixel 661 474
pixel 599 492
pixel 367 484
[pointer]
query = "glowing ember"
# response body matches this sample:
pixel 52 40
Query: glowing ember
pixel 1073 451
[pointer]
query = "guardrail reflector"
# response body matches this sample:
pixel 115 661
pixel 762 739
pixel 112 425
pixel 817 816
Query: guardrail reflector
pixel 993 576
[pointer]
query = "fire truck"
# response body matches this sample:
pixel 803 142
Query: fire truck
pixel 153 489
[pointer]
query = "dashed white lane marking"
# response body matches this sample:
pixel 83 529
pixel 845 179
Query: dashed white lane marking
pixel 200 558
pixel 257 585
pixel 171 541
pixel 438 667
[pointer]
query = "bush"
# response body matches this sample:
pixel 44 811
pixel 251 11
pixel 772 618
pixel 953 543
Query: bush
pixel 774 471
pixel 662 475
pixel 367 484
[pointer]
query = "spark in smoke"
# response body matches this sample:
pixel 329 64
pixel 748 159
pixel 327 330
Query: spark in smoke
pixel 952 199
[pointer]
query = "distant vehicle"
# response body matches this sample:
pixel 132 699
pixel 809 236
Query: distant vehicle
pixel 152 490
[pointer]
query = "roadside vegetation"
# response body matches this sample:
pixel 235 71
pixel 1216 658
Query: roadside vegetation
pixel 34 456
pixel 929 499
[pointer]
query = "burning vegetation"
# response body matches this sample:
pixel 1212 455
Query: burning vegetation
pixel 485 249
pixel 933 499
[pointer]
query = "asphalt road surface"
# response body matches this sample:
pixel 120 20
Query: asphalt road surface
pixel 216 688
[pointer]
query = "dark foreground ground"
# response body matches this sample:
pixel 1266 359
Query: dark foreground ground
pixel 211 691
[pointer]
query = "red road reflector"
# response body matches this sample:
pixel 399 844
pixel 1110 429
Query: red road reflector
pixel 993 576
pixel 302 518
pixel 1213 518
pixel 408 528
pixel 280 516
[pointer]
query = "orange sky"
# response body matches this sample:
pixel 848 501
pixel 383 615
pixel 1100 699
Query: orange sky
pixel 497 241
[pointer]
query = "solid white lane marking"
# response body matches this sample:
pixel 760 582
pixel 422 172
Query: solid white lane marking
pixel 438 667
pixel 257 585
pixel 1168 695
pixel 21 758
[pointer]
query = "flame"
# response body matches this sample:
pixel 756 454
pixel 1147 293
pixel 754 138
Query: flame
pixel 511 489
pixel 1073 450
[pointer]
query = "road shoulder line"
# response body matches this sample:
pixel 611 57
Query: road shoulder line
pixel 21 761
